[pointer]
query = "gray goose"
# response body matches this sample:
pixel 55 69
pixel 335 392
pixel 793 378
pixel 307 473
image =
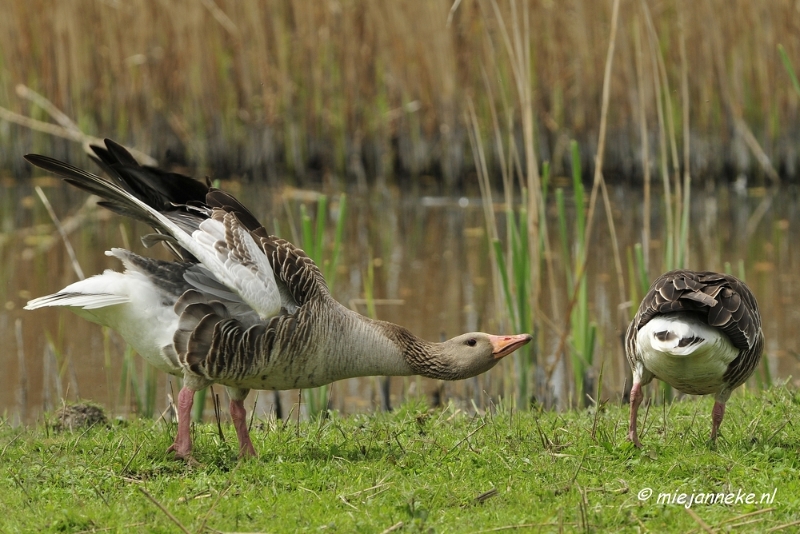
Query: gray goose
pixel 698 331
pixel 238 307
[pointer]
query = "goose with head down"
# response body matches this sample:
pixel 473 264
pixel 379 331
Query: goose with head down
pixel 238 307
pixel 700 332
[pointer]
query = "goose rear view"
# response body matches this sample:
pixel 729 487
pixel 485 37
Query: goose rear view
pixel 700 332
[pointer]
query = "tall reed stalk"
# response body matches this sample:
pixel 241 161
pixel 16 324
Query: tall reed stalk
pixel 583 330
pixel 514 268
pixel 381 383
pixel 519 268
pixel 314 239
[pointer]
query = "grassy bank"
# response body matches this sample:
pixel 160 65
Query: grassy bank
pixel 417 470
pixel 362 89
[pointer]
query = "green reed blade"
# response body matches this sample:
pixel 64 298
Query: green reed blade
pixel 789 69
pixel 501 268
pixel 337 241
pixel 307 232
pixel 578 192
pixel 319 234
pixel 563 237
pixel 314 238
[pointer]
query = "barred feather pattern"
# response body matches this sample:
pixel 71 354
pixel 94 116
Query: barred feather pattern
pixel 320 342
pixel 417 353
pixel 253 355
pixel 292 266
pixel 232 353
pixel 720 300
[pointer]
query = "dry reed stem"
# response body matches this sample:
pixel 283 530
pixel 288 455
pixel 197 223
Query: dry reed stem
pixel 644 140
pixel 783 527
pixel 485 188
pixel 60 117
pixel 699 521
pixel 70 224
pixel 66 128
pixel 223 19
pixel 396 526
pixel 40 126
pixel 735 113
pixel 164 510
pixel 598 180
pixel 518 51
pixel 761 156
pixel 662 130
pixel 670 135
pixel 687 176
pixel 22 399
pixel 67 245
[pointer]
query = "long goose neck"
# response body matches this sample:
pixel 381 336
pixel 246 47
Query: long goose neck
pixel 368 347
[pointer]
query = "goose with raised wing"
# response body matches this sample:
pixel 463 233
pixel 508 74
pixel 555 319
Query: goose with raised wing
pixel 700 332
pixel 237 307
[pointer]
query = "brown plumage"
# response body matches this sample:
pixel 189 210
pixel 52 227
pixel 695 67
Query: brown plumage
pixel 239 307
pixel 698 331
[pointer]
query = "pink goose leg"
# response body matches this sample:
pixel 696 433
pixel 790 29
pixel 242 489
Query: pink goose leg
pixel 239 416
pixel 635 399
pixel 183 440
pixel 717 413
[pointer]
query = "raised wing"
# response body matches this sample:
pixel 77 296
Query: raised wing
pixel 222 243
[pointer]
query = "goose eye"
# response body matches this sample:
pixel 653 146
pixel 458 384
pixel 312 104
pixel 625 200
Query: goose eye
pixel 471 342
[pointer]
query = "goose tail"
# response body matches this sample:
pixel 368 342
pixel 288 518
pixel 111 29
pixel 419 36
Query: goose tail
pixel 671 335
pixel 86 301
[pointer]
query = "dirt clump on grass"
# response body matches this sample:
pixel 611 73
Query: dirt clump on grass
pixel 79 416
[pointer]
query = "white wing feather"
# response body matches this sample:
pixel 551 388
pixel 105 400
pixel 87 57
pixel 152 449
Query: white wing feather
pixel 87 302
pixel 239 263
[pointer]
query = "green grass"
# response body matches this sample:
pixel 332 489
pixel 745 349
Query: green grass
pixel 431 470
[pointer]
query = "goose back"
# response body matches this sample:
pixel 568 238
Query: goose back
pixel 720 300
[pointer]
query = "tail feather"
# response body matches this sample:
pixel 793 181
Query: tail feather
pixel 158 188
pixel 87 301
pixel 671 342
pixel 172 194
pixel 115 197
pixel 676 335
pixel 114 153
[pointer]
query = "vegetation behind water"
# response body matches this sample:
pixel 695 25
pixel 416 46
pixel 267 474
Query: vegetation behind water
pixel 366 90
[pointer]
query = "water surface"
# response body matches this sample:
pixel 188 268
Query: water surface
pixel 432 274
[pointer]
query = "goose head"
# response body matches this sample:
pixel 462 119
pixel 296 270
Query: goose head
pixel 468 355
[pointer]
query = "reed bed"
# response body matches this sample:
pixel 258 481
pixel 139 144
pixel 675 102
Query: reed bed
pixel 368 90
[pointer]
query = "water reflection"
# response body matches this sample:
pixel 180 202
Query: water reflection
pixel 432 274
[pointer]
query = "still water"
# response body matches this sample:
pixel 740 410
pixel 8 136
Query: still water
pixel 432 273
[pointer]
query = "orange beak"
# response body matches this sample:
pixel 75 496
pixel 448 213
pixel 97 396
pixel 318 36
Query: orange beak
pixel 505 345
